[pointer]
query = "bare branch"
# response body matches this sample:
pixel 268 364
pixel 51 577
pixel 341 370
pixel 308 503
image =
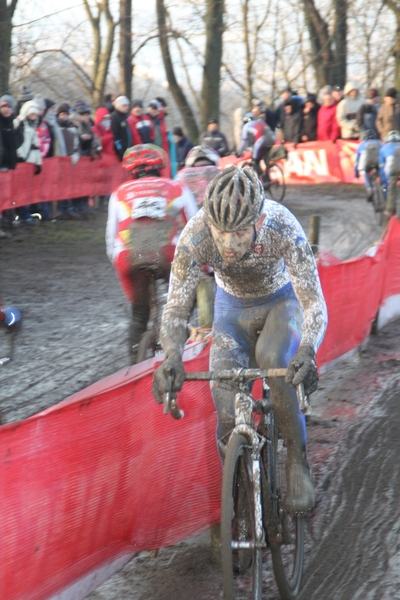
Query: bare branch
pixel 88 84
pixel 46 16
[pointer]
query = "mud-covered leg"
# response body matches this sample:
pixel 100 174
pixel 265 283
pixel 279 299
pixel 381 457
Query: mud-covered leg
pixel 277 343
pixel 140 313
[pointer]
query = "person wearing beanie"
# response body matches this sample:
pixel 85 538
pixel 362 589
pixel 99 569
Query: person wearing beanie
pixel 214 138
pixel 71 142
pixel 309 122
pixel 141 125
pixel 183 146
pixel 346 112
pixel 124 134
pixel 24 95
pixel 292 122
pixel 388 118
pixel 327 126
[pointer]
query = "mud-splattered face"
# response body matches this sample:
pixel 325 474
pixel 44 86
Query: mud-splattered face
pixel 233 245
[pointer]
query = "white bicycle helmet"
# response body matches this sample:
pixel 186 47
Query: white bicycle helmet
pixel 248 117
pixel 203 154
pixel 233 199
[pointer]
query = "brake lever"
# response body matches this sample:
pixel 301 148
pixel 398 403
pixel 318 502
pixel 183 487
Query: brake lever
pixel 302 399
pixel 170 400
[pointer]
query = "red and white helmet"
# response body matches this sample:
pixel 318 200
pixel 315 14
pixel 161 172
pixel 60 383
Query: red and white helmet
pixel 143 158
pixel 203 155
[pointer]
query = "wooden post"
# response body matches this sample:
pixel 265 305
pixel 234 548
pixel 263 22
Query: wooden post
pixel 313 233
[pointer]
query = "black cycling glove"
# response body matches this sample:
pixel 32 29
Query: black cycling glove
pixel 161 380
pixel 303 369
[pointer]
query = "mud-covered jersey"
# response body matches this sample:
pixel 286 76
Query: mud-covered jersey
pixel 197 179
pixel 280 255
pixel 150 197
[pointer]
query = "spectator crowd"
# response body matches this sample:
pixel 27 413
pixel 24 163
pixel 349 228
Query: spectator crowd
pixel 33 128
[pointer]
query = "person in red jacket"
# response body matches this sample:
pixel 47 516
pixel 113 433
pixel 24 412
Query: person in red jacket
pixel 327 125
pixel 141 124
pixel 102 129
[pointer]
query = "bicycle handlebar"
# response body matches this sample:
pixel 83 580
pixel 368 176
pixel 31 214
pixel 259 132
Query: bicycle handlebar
pixel 236 375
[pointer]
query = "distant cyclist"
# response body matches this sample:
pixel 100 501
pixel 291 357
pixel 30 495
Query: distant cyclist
pixel 269 308
pixel 145 217
pixel 367 157
pixel 389 163
pixel 200 168
pixel 257 136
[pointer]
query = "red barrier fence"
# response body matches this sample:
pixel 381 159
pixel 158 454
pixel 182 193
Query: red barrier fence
pixel 105 474
pixel 313 162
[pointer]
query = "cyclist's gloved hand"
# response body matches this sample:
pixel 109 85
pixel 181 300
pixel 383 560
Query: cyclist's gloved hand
pixel 303 369
pixel 238 154
pixel 161 380
pixel 356 173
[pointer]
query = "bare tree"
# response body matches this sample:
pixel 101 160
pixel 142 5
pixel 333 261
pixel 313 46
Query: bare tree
pixel 125 46
pixel 176 90
pixel 329 50
pixel 7 10
pixel 102 51
pixel 394 6
pixel 212 61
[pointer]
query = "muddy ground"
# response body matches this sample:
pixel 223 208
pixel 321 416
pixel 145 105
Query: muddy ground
pixel 74 333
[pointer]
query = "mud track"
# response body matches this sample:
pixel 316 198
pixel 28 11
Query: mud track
pixel 74 333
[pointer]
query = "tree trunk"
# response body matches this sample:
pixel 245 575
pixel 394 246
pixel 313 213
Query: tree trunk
pixel 338 72
pixel 125 46
pixel 6 15
pixel 249 62
pixel 212 61
pixel 321 45
pixel 395 7
pixel 176 90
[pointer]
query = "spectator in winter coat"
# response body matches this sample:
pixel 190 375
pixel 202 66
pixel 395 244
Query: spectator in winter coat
pixel 102 129
pixel 214 138
pixel 28 121
pixel 162 113
pixel 88 142
pixel 368 112
pixel 327 125
pixel 43 131
pixel 183 146
pixel 141 125
pixel 292 122
pixel 309 121
pixel 337 94
pixel 10 140
pixel 153 112
pixel 121 129
pixel 71 141
pixel 260 111
pixel 388 118
pixel 346 112
pixel 57 144
pixel 297 103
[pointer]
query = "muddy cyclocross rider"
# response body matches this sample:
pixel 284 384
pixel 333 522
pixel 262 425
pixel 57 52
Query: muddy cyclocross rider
pixel 269 307
pixel 144 219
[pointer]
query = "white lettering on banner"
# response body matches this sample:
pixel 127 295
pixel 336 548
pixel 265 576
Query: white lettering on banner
pixel 150 206
pixel 304 163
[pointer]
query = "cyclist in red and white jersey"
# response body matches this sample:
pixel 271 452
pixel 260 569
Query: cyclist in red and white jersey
pixel 145 217
pixel 258 136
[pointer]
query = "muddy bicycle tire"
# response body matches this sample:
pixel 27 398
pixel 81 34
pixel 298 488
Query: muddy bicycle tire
pixel 378 200
pixel 287 556
pixel 241 568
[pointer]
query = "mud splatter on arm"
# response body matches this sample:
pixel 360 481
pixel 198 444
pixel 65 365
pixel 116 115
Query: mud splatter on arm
pixel 303 273
pixel 185 274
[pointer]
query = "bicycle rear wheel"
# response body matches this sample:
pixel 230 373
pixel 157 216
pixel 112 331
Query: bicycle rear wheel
pixel 287 556
pixel 378 200
pixel 276 186
pixel 241 566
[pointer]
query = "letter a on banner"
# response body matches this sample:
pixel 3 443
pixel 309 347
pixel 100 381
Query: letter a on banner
pixel 315 164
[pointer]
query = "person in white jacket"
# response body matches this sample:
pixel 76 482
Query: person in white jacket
pixel 346 112
pixel 28 119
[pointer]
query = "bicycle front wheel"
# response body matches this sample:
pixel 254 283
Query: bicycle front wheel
pixel 276 186
pixel 241 558
pixel 287 556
